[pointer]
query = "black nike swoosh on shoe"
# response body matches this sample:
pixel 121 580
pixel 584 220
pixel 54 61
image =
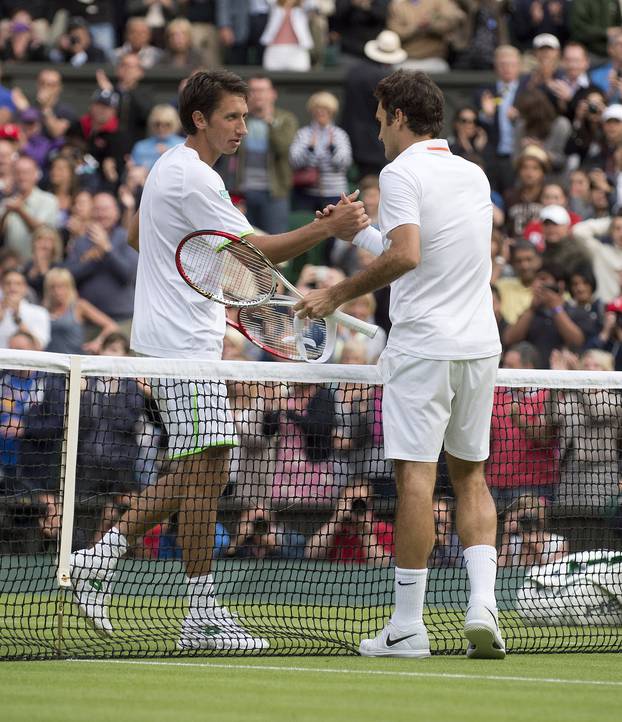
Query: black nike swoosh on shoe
pixel 406 584
pixel 392 642
pixel 492 614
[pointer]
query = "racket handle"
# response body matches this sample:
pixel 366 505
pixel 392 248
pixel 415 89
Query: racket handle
pixel 355 324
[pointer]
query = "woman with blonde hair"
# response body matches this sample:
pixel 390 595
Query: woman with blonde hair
pixel 69 313
pixel 163 126
pixel 47 253
pixel 180 51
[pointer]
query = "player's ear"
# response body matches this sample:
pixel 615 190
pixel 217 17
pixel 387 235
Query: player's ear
pixel 199 119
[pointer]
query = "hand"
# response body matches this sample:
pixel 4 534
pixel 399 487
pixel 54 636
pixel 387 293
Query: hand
pixel 227 37
pixel 99 237
pixel 19 99
pixel 318 304
pixel 14 204
pixel 103 80
pixel 488 103
pixel 560 89
pixel 346 219
pixel 552 299
pixel 127 197
pixel 512 113
pixel 93 347
pixel 609 323
pixel 563 360
pixel 109 170
pixel 480 139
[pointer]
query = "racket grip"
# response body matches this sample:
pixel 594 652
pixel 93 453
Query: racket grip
pixel 355 324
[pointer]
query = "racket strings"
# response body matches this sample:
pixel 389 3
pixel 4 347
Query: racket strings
pixel 229 271
pixel 272 325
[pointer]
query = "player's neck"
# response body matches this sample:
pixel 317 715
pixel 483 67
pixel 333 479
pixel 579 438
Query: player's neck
pixel 206 153
pixel 411 138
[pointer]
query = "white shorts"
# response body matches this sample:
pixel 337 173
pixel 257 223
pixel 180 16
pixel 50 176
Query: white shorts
pixel 196 415
pixel 427 403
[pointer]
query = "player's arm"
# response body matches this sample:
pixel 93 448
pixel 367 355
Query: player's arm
pixel 132 234
pixel 403 255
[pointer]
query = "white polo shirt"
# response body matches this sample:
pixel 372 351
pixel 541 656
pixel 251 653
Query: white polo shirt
pixel 443 308
pixel 182 194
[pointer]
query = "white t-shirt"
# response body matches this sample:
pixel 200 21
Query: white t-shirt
pixel 443 308
pixel 182 194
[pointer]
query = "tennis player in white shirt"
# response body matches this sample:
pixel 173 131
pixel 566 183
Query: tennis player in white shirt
pixel 183 194
pixel 441 359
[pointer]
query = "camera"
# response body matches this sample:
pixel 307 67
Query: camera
pixel 528 523
pixel 359 506
pixel 74 40
pixel 552 287
pixel 260 526
pixel 593 108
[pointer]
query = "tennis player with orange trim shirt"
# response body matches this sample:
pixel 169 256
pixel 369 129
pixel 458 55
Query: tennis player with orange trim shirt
pixel 183 194
pixel 440 364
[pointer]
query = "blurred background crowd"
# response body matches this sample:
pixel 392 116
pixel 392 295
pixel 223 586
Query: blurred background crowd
pixel 545 124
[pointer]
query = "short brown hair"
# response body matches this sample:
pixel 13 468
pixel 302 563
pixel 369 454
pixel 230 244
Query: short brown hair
pixel 417 96
pixel 203 92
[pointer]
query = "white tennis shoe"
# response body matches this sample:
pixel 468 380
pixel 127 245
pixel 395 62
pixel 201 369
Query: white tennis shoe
pixel 395 642
pixel 91 576
pixel 216 628
pixel 481 628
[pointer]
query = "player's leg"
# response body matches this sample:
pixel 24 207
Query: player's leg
pixel 466 448
pixel 416 408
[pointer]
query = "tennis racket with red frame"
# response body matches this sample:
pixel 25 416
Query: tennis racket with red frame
pixel 232 271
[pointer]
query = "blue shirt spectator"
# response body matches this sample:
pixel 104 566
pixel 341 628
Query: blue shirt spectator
pixel 164 127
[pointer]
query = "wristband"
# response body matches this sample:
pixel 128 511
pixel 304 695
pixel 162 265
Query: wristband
pixel 557 309
pixel 370 239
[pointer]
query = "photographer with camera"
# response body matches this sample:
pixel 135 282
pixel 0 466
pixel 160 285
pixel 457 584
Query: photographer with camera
pixel 525 540
pixel 353 534
pixel 260 537
pixel 550 322
pixel 76 45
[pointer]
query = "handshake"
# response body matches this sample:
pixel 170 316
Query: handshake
pixel 348 216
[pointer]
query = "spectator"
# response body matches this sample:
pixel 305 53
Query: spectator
pixel 572 80
pixel 22 46
pixel 522 450
pixel 63 184
pixel 202 17
pixel 353 533
pixel 102 19
pixel 134 101
pixel 7 157
pixel 579 195
pixel 69 314
pixel 530 18
pixel 447 551
pixel 18 314
pixel 76 46
pixel 17 391
pixel 497 113
pixel 364 308
pixel 325 147
pixel 47 253
pixel 240 26
pixel 602 240
pixel 526 540
pixel 603 157
pixel 609 339
pixel 582 284
pixel 303 415
pixel 260 536
pixel 552 195
pixel 425 27
pixel 156 14
pixel 27 208
pixel 587 128
pixel 137 42
pixel 550 322
pixel 104 265
pixel 264 174
pixel 485 28
pixel 34 142
pixel 515 291
pixel 106 141
pixel 356 23
pixel 179 51
pixel 469 138
pixel 560 247
pixel 164 128
pixel 539 123
pixel 523 200
pixel 360 104
pixel 546 51
pixel 593 23
pixel 287 38
pixel 606 76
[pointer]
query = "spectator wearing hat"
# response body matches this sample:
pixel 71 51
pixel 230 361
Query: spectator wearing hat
pixel 76 46
pixel 530 18
pixel 550 322
pixel 593 22
pixel 602 240
pixel 355 23
pixel 27 208
pixel 135 102
pixel 604 156
pixel 547 53
pixel 106 141
pixel 523 200
pixel 359 107
pixel 553 194
pixel 424 27
pixel 560 247
pixel 35 143
pixel 21 46
pixel 497 113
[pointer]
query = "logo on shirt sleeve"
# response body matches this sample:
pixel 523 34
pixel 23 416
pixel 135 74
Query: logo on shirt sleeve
pixel 225 194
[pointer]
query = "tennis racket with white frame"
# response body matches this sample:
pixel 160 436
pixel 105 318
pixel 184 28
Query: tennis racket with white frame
pixel 275 328
pixel 232 271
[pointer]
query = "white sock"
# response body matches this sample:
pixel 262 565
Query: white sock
pixel 201 593
pixel 481 564
pixel 111 547
pixel 410 587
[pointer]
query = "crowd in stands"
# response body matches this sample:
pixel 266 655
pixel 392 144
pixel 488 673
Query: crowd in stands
pixel 547 131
